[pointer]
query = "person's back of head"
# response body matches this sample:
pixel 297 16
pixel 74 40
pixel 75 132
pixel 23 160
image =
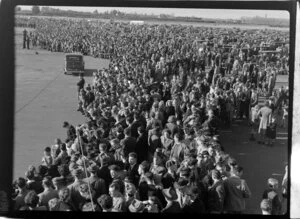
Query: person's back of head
pixel 238 170
pixel 21 182
pixel 29 175
pixel 266 207
pixel 42 170
pixel 47 182
pixel 31 199
pixel 105 201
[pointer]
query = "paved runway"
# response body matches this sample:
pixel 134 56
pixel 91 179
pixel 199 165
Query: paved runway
pixel 45 97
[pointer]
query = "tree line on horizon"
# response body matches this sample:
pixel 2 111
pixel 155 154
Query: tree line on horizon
pixel 115 14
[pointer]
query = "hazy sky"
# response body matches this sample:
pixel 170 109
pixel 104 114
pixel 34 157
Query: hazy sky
pixel 205 13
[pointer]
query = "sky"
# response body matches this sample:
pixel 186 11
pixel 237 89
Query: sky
pixel 204 13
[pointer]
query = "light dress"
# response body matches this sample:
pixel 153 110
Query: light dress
pixel 265 113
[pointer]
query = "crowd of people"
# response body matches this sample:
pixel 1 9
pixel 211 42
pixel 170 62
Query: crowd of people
pixel 151 141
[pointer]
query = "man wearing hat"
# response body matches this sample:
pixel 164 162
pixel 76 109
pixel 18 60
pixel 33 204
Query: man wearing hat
pixel 271 193
pixel 172 203
pixel 96 183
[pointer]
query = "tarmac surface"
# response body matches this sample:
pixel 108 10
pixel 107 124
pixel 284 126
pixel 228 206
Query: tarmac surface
pixel 45 97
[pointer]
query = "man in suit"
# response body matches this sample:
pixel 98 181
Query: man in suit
pixel 237 191
pixel 96 183
pixel 48 193
pixel 142 146
pixel 104 172
pixel 195 205
pixel 132 168
pixel 128 143
pixel 33 183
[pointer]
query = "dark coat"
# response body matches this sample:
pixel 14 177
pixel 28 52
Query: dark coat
pixel 71 133
pixel 173 207
pixel 197 207
pixel 129 145
pixel 104 173
pixel 133 174
pixel 142 148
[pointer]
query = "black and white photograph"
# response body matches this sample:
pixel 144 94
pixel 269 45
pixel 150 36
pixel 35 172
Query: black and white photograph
pixel 153 110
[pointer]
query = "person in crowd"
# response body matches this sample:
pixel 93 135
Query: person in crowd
pixel 97 184
pixel 31 203
pixel 75 196
pixel 47 159
pixel 155 112
pixel 166 142
pixel 171 176
pixel 22 191
pixel 142 147
pixel 177 151
pixel 137 206
pixel 128 143
pixel 216 194
pixel 119 202
pixel 132 168
pixel 48 193
pixel 172 203
pixel 195 205
pixel 71 132
pixel 271 193
pixel 105 202
pixel 182 189
pixel 33 183
pixel 266 207
pixel 265 113
pixel 236 190
pixel 80 84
